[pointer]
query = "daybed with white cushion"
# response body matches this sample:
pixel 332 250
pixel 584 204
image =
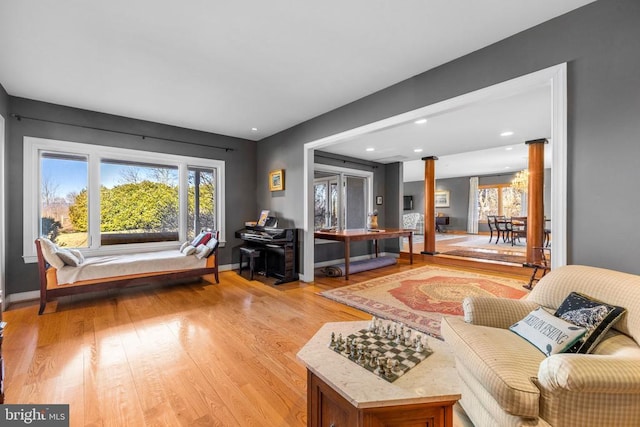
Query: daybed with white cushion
pixel 117 271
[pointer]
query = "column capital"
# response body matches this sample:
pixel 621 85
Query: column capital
pixel 537 141
pixel 430 158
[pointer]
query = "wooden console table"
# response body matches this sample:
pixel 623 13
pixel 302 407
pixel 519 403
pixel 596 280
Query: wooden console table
pixel 341 393
pixel 355 235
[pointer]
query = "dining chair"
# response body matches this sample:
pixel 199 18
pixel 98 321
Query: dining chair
pixel 518 227
pixel 491 222
pixel 503 227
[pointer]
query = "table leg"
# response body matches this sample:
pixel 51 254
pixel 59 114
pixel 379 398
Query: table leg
pixel 347 244
pixel 410 248
pixel 375 246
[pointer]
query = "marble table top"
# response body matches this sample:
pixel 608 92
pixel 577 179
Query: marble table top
pixel 435 379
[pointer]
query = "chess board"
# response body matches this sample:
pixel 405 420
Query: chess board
pixel 405 356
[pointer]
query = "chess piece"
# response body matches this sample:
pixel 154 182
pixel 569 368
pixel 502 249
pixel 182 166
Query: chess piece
pixel 418 344
pixel 332 344
pixel 340 343
pixel 407 338
pixel 399 339
pixel 387 371
pixel 372 324
pixel 374 359
pixel 382 363
pixel 367 358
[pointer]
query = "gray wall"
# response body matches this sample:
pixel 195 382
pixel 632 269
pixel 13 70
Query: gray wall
pixel 240 168
pixel 459 192
pixel 459 200
pixel 600 42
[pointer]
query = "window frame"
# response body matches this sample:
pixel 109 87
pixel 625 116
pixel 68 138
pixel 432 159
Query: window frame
pixel 329 181
pixel 32 175
pixel 342 173
pixel 499 187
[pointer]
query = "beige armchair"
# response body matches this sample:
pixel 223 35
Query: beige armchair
pixel 506 381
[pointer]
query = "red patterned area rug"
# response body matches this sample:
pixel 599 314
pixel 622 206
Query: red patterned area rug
pixel 420 297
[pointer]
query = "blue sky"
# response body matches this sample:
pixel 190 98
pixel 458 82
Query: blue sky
pixel 70 176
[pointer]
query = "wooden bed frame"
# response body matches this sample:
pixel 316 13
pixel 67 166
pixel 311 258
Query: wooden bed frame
pixel 113 282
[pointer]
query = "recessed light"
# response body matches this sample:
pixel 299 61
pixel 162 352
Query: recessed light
pixel 254 129
pixel 420 121
pixel 418 150
pixel 509 148
pixel 507 167
pixel 507 133
pixel 371 149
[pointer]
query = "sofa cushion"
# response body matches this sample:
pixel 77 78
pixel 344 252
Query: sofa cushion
pixel 596 316
pixel 500 360
pixel 550 334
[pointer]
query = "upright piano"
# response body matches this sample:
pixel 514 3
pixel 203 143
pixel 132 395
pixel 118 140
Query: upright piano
pixel 280 246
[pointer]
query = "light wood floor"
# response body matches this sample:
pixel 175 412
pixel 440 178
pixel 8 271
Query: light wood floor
pixel 469 241
pixel 193 354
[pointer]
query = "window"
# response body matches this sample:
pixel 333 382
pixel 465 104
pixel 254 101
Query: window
pixel 326 203
pixel 109 200
pixel 501 200
pixel 341 209
pixel 64 179
pixel 202 196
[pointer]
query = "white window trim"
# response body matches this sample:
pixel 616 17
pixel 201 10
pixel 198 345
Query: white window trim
pixel 342 172
pixel 31 185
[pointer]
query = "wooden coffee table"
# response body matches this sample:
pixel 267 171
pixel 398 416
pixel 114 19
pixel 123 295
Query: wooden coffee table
pixel 342 393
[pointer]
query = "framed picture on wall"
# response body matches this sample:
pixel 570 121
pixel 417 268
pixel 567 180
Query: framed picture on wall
pixel 442 198
pixel 276 180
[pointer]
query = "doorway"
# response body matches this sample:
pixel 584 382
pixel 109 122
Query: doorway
pixel 555 77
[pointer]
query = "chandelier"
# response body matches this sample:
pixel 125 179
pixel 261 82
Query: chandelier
pixel 521 181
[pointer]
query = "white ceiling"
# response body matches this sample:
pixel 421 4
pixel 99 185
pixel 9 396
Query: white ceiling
pixel 225 66
pixel 467 141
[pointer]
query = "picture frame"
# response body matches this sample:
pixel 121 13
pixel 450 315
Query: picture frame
pixel 378 200
pixel 442 198
pixel 276 180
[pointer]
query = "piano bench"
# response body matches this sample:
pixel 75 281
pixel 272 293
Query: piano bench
pixel 252 254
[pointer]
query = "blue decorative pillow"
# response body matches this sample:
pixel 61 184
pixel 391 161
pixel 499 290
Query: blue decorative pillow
pixel 548 333
pixel 596 316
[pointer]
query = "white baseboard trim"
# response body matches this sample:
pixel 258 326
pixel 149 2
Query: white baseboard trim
pixel 23 296
pixel 355 258
pixel 310 277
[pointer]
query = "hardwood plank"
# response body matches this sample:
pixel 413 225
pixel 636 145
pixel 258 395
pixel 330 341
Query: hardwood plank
pixel 192 354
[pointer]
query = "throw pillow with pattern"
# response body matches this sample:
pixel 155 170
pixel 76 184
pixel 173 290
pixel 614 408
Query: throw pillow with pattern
pixel 596 316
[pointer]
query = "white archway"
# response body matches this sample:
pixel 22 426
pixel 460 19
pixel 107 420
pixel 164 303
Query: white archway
pixel 555 77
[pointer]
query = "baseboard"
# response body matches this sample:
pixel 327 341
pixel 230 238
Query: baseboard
pixel 22 296
pixel 352 259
